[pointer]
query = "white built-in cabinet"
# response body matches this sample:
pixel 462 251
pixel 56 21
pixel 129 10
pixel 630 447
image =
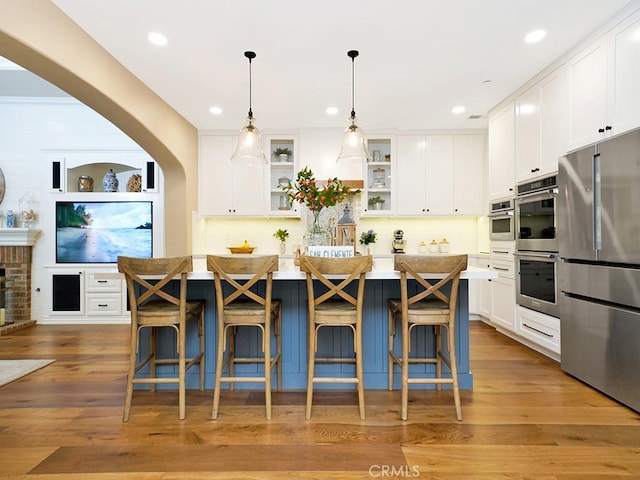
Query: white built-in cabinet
pixel 541 126
pixel 379 177
pixel 503 288
pixel 227 188
pixel 501 161
pixel 603 86
pixel 440 174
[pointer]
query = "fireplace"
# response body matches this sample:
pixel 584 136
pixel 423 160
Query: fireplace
pixel 16 246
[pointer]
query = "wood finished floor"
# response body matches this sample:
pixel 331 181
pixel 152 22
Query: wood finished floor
pixel 525 419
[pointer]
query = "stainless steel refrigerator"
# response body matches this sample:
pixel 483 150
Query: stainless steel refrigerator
pixel 599 274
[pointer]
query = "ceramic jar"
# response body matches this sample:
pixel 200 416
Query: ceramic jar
pixel 85 183
pixel 110 182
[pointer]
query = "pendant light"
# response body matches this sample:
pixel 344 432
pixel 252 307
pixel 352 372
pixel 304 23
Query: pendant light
pixel 249 149
pixel 354 152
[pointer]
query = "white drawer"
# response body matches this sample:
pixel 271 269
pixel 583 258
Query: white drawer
pixel 102 283
pixel 504 269
pixel 502 251
pixel 100 304
pixel 539 328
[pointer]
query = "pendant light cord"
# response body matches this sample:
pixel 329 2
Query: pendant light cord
pixel 352 54
pixel 250 56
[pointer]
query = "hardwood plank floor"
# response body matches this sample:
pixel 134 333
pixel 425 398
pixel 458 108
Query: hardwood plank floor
pixel 525 419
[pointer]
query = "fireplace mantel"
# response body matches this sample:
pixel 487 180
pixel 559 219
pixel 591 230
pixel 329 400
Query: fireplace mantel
pixel 19 237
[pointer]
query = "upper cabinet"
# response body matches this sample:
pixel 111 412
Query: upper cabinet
pixel 282 151
pixel 603 85
pixel 541 125
pixel 226 188
pixel 378 195
pixel 501 162
pixel 440 174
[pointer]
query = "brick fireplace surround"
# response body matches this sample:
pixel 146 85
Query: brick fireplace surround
pixel 16 246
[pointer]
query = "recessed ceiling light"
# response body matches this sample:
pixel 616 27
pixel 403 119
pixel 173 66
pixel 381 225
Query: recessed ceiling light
pixel 215 110
pixel 535 36
pixel 157 38
pixel 458 109
pixel 332 111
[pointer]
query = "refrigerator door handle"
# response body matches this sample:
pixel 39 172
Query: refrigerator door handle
pixel 597 204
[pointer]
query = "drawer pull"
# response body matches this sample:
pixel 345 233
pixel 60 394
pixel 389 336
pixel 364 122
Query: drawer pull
pixel 103 304
pixel 103 281
pixel 501 269
pixel 536 330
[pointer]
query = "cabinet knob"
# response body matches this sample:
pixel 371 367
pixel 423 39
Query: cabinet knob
pixel 601 130
pixel 608 127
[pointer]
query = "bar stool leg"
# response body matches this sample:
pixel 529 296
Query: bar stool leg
pixel 405 367
pixel 219 364
pixel 310 368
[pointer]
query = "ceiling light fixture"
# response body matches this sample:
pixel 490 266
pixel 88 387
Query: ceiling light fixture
pixel 535 36
pixel 249 149
pixel 354 150
pixel 157 39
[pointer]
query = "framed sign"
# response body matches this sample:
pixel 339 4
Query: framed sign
pixel 330 251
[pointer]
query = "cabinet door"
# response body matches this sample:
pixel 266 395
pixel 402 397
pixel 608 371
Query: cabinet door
pixel 588 84
pixel 553 120
pixel 626 98
pixel 226 188
pixel 378 198
pixel 283 153
pixel 411 173
pixel 214 170
pixel 528 134
pixel 439 157
pixel 502 153
pixel 503 303
pixel 468 188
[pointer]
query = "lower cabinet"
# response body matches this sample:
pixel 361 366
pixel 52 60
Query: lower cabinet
pixel 541 329
pixel 87 296
pixel 503 302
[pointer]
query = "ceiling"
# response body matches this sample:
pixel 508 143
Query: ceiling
pixel 418 58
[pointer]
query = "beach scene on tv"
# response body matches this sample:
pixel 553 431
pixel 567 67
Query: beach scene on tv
pixel 97 232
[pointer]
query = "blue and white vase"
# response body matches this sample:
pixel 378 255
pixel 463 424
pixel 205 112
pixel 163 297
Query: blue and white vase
pixel 110 182
pixel 11 219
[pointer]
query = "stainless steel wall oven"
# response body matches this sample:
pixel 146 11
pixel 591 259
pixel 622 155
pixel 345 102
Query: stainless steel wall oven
pixel 502 220
pixel 537 246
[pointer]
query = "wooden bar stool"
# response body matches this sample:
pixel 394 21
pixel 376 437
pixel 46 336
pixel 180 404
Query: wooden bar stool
pixel 240 305
pixel 427 306
pixel 153 307
pixel 329 305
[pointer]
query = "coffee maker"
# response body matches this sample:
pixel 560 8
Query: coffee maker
pixel 399 243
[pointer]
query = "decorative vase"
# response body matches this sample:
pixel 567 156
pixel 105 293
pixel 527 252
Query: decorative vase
pixel 283 248
pixel 317 234
pixel 110 182
pixel 85 183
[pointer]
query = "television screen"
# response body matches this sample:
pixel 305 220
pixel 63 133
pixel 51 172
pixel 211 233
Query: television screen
pixel 97 232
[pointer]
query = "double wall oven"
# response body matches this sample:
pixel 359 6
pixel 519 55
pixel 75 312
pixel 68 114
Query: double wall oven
pixel 537 246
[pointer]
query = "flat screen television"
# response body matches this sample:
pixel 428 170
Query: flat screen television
pixel 97 232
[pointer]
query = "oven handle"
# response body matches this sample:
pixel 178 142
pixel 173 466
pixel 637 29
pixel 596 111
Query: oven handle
pixel 539 195
pixel 536 254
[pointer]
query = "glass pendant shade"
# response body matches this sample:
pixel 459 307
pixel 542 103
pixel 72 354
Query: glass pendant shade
pixel 249 149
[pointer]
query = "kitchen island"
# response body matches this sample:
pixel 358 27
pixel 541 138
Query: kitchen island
pixel 289 286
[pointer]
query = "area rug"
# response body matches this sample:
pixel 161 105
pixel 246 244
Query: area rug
pixel 11 370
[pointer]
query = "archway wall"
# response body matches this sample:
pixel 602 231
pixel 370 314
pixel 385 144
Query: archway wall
pixel 40 37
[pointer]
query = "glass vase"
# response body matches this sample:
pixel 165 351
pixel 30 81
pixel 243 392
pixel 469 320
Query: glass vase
pixel 317 234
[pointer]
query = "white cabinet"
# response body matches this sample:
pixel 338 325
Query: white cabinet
pixel 282 168
pixel 625 42
pixel 440 174
pixel 603 85
pixel 541 122
pixel 588 85
pixel 502 153
pixel 503 289
pixel 86 295
pixel 542 330
pixel 226 188
pixel 379 183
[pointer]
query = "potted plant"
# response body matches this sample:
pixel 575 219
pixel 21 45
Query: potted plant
pixel 282 153
pixel 282 234
pixel 376 202
pixel 367 238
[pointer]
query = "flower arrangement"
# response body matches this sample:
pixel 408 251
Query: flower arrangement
pixel 315 196
pixel 368 237
pixel 281 234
